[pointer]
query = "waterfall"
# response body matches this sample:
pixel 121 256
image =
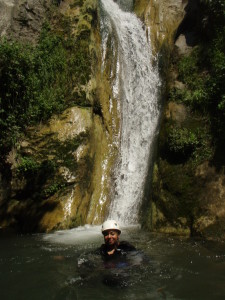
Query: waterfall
pixel 135 86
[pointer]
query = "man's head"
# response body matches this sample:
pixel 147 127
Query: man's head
pixel 111 233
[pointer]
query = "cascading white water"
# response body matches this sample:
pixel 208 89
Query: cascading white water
pixel 136 86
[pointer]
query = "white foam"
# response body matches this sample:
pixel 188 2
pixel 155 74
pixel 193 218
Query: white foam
pixel 75 236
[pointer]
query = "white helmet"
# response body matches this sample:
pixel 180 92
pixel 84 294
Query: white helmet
pixel 110 224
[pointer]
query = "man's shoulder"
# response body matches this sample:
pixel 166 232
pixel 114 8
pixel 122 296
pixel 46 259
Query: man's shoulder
pixel 126 246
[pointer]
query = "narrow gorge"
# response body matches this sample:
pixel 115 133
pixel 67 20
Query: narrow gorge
pixel 100 116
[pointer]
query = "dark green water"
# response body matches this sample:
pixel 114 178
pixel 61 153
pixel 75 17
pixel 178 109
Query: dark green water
pixel 62 266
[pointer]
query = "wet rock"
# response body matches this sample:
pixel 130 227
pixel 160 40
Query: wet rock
pixel 163 17
pixel 71 123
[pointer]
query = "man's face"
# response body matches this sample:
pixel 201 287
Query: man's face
pixel 111 237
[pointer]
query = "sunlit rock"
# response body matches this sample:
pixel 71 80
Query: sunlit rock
pixel 182 46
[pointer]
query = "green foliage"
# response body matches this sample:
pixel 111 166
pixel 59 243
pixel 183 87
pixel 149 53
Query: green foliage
pixel 182 141
pixel 190 72
pixel 76 3
pixel 28 166
pixel 81 62
pixel 52 189
pixel 203 73
pixel 216 81
pixel 177 95
pixel 36 81
pixel 188 68
pixel 32 84
pixel 41 179
pixel 89 7
pixel 190 143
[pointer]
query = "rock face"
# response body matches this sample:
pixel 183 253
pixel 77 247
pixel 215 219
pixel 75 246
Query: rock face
pixel 6 12
pixel 53 163
pixel 22 20
pixel 58 175
pixel 187 194
pixel 162 19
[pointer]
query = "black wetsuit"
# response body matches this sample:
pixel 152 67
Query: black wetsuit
pixel 117 263
pixel 121 251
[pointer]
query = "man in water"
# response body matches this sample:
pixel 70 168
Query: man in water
pixel 118 258
pixel 115 255
pixel 113 248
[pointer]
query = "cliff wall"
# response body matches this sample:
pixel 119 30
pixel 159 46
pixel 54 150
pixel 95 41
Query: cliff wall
pixel 188 191
pixel 57 172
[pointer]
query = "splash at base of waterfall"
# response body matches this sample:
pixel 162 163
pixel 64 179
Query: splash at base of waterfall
pixel 136 83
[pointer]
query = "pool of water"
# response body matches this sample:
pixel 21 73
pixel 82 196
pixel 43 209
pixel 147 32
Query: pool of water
pixel 64 265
